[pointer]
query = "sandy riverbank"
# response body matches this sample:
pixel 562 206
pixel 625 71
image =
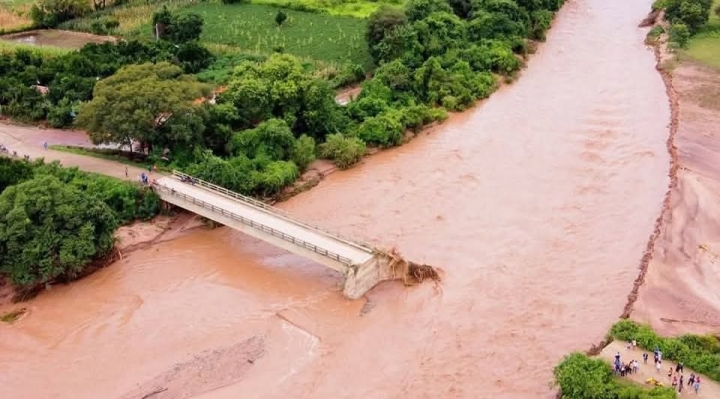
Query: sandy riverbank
pixel 681 289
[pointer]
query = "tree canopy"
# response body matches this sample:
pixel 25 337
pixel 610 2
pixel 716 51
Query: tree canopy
pixel 150 103
pixel 50 230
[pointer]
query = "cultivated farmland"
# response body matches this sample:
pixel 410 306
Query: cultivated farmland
pixel 251 27
pixel 353 8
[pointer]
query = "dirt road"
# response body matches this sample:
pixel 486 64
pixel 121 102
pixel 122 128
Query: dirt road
pixel 29 140
pixel 708 388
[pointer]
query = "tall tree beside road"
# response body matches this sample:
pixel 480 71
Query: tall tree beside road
pixel 149 103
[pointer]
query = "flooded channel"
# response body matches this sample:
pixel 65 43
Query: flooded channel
pixel 537 205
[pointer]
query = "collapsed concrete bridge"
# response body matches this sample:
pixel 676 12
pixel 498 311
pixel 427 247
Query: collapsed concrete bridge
pixel 363 265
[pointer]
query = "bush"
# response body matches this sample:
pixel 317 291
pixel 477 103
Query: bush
pixel 693 13
pixel 580 377
pixel 680 34
pixel 343 151
pixel 50 230
pixel 303 152
pixel 700 353
pixel 383 130
pixel 655 32
pixel 280 18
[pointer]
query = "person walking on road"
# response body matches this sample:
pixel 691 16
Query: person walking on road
pixel 126 172
pixel 645 357
pixel 697 385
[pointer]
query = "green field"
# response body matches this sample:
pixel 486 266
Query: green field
pixel 353 8
pixel 705 46
pixel 251 27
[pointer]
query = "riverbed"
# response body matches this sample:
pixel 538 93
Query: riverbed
pixel 537 205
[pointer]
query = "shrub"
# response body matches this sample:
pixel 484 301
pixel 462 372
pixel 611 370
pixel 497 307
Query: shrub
pixel 383 130
pixel 50 230
pixel 580 377
pixel 655 32
pixel 343 151
pixel 380 23
pixel 693 13
pixel 680 34
pixel 303 152
pixel 280 17
pixel 701 353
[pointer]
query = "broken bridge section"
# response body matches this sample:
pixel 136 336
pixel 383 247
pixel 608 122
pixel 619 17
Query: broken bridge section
pixel 362 265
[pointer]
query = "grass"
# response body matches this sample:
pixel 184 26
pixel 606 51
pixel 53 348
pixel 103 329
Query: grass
pixel 12 316
pixel 8 46
pixel 705 45
pixel 14 15
pixel 352 8
pixel 111 155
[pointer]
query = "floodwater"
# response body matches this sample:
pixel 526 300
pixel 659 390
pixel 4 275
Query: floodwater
pixel 537 205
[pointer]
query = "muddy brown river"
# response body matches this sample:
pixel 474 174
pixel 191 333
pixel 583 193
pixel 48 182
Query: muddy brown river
pixel 537 205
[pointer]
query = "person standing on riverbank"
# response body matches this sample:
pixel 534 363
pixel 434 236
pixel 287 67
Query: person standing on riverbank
pixel 681 383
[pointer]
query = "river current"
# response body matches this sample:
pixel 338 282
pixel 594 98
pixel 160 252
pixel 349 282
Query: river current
pixel 537 206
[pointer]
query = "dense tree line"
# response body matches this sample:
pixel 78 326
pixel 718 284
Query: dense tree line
pixel 71 78
pixel 54 221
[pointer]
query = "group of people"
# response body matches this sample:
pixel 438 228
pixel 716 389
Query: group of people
pixel 675 375
pixel 5 150
pixel 624 369
pixel 144 178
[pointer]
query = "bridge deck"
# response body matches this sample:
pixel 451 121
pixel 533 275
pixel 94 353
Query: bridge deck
pixel 356 253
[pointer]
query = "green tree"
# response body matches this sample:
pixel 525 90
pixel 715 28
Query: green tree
pixel 185 27
pixel 381 22
pixel 49 13
pixel 693 13
pixel 271 138
pixel 280 18
pixel 421 9
pixel 303 152
pixel 13 172
pixel 49 230
pixel 680 34
pixel 150 103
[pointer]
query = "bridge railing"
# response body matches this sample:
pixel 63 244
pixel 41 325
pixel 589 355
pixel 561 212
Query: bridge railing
pixel 275 211
pixel 256 225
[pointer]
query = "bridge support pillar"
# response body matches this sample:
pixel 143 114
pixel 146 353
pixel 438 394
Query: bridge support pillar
pixel 362 278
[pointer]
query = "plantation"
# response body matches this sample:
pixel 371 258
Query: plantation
pixel 253 27
pixel 353 8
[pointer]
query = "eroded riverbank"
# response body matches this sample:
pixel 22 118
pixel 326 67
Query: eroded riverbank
pixel 681 293
pixel 537 204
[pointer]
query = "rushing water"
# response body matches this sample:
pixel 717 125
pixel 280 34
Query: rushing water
pixel 537 205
